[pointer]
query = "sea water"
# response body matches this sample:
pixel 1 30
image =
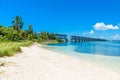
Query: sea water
pixel 104 54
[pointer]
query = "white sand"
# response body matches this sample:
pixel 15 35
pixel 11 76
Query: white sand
pixel 36 63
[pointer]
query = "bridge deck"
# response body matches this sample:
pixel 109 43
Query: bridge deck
pixel 84 39
pixel 77 38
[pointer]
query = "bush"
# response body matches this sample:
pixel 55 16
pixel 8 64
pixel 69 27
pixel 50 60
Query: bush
pixel 30 37
pixel 3 39
pixel 60 40
pixel 40 39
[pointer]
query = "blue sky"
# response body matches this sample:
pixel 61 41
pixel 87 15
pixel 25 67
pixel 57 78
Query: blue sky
pixel 92 18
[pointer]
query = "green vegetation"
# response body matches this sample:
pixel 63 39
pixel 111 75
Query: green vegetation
pixel 17 23
pixel 10 48
pixel 12 37
pixel 59 40
pixel 49 42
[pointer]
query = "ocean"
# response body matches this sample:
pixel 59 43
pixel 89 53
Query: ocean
pixel 104 54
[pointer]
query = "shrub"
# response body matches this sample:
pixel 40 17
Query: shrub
pixel 60 40
pixel 40 39
pixel 30 37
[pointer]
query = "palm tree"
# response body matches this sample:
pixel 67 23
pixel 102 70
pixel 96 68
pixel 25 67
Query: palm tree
pixel 17 23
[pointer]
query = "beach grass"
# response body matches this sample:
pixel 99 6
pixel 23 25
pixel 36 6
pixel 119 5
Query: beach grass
pixel 10 48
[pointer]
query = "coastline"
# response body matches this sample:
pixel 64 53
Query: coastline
pixel 108 62
pixel 37 63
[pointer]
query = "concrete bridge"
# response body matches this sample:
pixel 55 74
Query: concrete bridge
pixel 84 39
pixel 77 38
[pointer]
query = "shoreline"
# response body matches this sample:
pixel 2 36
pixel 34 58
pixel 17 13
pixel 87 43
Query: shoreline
pixel 37 63
pixel 108 62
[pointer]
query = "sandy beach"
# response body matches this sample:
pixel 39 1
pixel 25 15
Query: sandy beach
pixel 37 63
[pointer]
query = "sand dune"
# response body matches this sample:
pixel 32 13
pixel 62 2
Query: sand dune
pixel 36 63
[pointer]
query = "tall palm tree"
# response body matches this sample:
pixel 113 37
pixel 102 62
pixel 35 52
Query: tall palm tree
pixel 17 23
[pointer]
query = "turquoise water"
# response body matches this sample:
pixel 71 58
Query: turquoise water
pixel 103 54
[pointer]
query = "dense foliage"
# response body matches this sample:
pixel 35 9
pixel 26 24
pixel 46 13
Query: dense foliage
pixel 15 32
pixel 13 36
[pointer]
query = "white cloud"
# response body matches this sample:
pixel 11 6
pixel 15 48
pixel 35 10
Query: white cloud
pixel 116 36
pixel 91 32
pixel 102 26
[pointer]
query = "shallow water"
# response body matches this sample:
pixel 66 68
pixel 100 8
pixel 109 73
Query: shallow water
pixel 104 54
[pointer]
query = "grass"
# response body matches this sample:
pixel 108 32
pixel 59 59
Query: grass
pixel 10 48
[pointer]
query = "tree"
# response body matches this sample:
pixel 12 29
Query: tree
pixel 30 30
pixel 22 35
pixel 1 26
pixel 30 37
pixel 17 23
pixel 10 34
pixel 51 36
pixel 1 30
pixel 44 36
pixel 35 35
